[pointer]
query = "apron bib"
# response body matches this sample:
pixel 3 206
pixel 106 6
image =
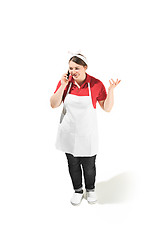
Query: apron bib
pixel 77 131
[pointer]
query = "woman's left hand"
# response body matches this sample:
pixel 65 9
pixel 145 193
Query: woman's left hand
pixel 113 84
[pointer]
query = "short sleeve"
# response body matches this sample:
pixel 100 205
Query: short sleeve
pixel 102 93
pixel 58 86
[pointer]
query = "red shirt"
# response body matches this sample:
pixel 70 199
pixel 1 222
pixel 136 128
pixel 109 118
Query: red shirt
pixel 98 90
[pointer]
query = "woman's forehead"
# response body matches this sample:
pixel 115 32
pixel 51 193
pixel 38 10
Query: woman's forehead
pixel 73 64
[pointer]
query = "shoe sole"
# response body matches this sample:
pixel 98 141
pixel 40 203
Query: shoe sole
pixel 77 204
pixel 92 202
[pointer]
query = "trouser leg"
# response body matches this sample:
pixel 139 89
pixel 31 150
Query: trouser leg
pixel 89 171
pixel 75 171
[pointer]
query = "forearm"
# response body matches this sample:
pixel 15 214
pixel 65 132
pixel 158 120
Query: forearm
pixel 56 99
pixel 108 103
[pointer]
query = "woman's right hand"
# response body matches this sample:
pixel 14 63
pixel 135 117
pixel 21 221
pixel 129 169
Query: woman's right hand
pixel 64 80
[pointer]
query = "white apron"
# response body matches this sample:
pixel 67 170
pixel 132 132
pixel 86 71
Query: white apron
pixel 77 132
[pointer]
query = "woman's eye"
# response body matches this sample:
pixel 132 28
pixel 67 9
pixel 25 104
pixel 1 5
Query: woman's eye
pixel 77 68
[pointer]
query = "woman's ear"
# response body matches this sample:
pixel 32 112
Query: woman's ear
pixel 85 67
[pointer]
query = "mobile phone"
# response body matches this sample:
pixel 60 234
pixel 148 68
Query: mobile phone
pixel 68 75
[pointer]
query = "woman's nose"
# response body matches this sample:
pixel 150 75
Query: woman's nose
pixel 73 72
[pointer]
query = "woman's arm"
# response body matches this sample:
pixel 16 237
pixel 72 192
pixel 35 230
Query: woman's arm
pixel 107 104
pixel 56 99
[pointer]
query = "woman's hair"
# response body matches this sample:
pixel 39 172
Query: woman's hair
pixel 78 60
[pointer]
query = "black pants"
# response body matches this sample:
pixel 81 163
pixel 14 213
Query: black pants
pixel 75 170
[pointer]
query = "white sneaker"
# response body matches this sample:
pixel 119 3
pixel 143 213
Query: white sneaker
pixel 91 197
pixel 76 199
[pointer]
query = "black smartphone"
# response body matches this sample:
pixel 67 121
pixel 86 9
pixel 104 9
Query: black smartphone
pixel 68 75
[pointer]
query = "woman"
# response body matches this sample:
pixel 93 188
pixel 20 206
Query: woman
pixel 77 134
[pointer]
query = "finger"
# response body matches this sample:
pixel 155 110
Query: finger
pixel 118 82
pixel 64 75
pixel 113 82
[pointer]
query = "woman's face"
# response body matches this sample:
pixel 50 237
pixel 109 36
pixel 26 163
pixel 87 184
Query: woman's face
pixel 77 71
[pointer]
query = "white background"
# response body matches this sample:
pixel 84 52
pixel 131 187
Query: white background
pixel 121 40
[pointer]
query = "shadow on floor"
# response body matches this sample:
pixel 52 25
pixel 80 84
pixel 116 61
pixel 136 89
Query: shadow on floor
pixel 118 189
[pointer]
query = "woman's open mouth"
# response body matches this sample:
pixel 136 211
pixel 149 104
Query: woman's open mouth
pixel 75 75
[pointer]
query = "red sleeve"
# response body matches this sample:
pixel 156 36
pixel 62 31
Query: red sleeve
pixel 102 93
pixel 58 85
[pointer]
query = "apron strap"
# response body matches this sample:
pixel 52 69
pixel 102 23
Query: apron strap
pixel 69 88
pixel 89 88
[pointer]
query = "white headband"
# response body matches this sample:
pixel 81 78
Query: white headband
pixel 79 56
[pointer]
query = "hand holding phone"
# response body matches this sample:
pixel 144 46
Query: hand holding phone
pixel 65 78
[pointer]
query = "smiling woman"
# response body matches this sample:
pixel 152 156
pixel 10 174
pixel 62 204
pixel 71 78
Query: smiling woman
pixel 77 133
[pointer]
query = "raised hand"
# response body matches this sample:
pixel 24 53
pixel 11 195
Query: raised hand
pixel 113 84
pixel 64 80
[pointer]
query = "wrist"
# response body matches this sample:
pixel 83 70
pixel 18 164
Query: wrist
pixel 110 89
pixel 63 86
